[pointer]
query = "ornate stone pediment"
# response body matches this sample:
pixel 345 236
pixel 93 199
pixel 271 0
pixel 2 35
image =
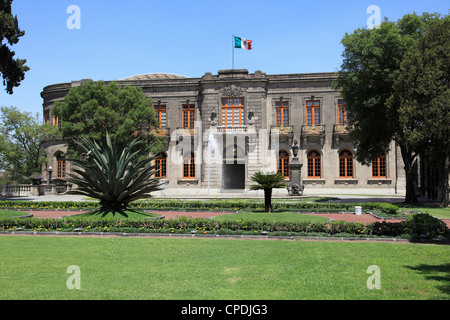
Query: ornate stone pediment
pixel 232 91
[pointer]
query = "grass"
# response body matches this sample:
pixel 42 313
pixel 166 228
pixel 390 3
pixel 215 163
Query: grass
pixel 443 213
pixel 272 217
pixel 12 213
pixel 216 269
pixel 127 214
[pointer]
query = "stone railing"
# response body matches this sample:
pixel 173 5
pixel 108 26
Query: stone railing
pixel 28 190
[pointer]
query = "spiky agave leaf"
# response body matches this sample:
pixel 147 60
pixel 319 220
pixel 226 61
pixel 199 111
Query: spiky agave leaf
pixel 115 177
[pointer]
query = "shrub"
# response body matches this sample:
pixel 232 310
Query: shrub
pixel 422 224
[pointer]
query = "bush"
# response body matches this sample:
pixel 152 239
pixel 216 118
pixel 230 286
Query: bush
pixel 422 224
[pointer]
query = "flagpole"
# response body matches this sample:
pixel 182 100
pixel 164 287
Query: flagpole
pixel 232 49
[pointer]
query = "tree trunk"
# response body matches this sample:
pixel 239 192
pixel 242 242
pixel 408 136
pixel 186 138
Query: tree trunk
pixel 268 200
pixel 444 185
pixel 408 160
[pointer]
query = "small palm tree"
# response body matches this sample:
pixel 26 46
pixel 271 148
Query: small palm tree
pixel 114 176
pixel 267 182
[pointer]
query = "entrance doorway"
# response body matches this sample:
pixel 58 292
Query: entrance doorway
pixel 233 169
pixel 234 176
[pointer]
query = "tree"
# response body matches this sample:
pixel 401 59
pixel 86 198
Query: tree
pixel 113 174
pixel 94 108
pixel 22 136
pixel 12 70
pixel 267 182
pixel 371 64
pixel 421 93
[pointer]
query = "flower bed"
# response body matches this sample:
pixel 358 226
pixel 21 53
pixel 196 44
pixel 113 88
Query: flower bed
pixel 416 226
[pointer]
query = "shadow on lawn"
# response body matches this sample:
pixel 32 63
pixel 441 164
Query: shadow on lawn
pixel 439 273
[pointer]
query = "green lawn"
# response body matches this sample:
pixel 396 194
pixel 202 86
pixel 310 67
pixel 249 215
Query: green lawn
pixel 12 213
pixel 131 214
pixel 443 213
pixel 274 217
pixel 34 267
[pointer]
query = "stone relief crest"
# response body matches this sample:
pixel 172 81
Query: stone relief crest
pixel 232 91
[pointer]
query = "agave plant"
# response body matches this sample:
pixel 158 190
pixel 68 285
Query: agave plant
pixel 112 175
pixel 267 182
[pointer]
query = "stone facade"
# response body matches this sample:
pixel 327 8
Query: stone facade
pixel 236 123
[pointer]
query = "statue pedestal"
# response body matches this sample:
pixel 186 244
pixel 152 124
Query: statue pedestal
pixel 295 187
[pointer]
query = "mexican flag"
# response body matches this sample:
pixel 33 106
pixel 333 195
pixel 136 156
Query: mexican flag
pixel 242 43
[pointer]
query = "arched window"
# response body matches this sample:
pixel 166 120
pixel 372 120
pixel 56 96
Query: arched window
pixel 314 165
pixel 61 166
pixel 188 166
pixel 345 164
pixel 379 167
pixel 283 163
pixel 161 162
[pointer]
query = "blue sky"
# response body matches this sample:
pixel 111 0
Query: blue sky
pixel 123 38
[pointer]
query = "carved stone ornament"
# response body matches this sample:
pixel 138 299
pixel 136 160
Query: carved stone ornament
pixel 232 91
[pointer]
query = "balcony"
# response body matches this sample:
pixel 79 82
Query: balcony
pixel 160 132
pixel 185 132
pixel 313 134
pixel 340 132
pixel 232 129
pixel 284 130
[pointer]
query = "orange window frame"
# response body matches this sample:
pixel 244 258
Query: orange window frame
pixel 232 112
pixel 379 167
pixel 283 163
pixel 313 112
pixel 61 168
pixel 57 122
pixel 189 167
pixel 47 116
pixel 161 115
pixel 345 164
pixel 342 112
pixel 282 113
pixel 161 162
pixel 188 115
pixel 314 165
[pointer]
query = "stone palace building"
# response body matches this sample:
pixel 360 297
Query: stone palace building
pixel 221 128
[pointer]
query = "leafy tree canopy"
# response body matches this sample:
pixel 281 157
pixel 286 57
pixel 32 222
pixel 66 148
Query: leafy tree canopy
pixel 371 64
pixel 22 136
pixel 370 67
pixel 421 94
pixel 12 70
pixel 92 109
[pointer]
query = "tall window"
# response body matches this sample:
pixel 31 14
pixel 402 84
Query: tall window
pixel 379 167
pixel 57 122
pixel 283 163
pixel 312 112
pixel 232 112
pixel 282 113
pixel 188 166
pixel 161 162
pixel 47 116
pixel 345 164
pixel 61 166
pixel 161 115
pixel 342 113
pixel 314 165
pixel 188 115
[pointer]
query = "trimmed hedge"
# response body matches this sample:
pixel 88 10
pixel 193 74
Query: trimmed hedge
pixel 417 226
pixel 213 205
